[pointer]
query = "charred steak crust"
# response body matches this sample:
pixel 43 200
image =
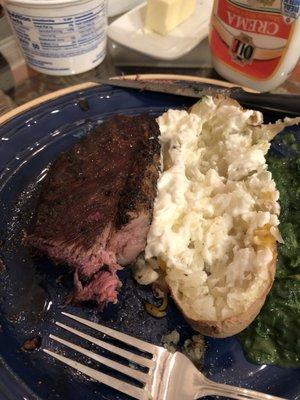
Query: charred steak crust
pixel 79 184
pixel 140 189
pixel 96 203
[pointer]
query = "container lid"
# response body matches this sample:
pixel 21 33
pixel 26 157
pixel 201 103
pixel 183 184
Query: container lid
pixel 45 2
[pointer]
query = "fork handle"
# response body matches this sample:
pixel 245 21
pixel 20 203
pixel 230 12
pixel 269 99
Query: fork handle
pixel 218 389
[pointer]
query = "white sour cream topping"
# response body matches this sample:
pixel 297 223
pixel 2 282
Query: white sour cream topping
pixel 214 193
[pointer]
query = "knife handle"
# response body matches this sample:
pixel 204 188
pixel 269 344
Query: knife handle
pixel 286 103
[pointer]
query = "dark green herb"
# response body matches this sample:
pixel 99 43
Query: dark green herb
pixel 274 336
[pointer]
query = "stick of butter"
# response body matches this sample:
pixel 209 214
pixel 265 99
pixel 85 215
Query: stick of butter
pixel 164 15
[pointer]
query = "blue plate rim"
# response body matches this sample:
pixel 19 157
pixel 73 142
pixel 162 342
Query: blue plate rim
pixel 8 377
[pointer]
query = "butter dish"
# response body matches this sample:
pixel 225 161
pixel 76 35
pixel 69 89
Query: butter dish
pixel 129 30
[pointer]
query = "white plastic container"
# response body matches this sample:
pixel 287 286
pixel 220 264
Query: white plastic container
pixel 60 37
pixel 255 43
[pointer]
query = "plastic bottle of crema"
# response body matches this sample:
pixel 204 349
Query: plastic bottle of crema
pixel 255 43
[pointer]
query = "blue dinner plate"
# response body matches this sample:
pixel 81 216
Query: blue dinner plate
pixel 34 290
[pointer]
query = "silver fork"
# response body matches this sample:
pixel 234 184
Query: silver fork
pixel 170 376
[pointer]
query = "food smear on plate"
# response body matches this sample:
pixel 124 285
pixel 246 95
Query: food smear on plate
pixel 95 205
pixel 2 266
pixel 215 221
pixel 32 343
pixel 162 16
pixel 193 347
pixel 273 337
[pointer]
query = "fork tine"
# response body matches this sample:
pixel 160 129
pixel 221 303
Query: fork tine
pixel 146 362
pixel 140 376
pixel 108 380
pixel 139 344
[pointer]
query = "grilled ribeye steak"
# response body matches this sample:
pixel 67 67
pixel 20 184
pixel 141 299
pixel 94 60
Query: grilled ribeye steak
pixel 96 203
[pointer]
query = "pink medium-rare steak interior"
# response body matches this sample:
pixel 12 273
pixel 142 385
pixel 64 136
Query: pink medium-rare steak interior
pixel 96 203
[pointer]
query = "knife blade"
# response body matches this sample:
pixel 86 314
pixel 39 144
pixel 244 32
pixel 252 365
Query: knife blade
pixel 282 103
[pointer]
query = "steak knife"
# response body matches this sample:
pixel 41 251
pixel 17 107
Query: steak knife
pixel 289 104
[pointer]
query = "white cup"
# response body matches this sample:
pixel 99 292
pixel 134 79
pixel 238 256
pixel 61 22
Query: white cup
pixel 60 37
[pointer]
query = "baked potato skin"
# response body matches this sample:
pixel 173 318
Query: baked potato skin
pixel 235 324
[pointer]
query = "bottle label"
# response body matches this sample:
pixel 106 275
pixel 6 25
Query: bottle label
pixel 251 36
